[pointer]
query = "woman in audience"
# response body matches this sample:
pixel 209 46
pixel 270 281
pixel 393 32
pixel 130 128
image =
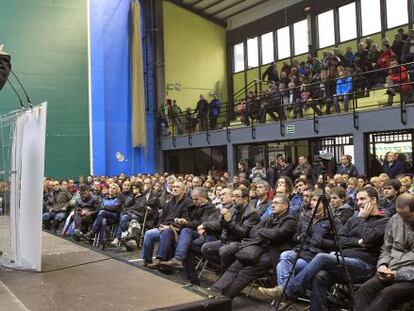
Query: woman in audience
pixel 108 214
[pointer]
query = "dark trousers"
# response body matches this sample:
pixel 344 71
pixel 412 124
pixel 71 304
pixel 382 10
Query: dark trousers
pixel 374 295
pixel 238 276
pixel 218 251
pixel 83 222
pixel 190 261
pixel 103 219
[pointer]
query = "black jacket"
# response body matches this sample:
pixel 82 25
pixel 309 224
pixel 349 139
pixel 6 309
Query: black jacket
pixel 200 214
pixel 273 231
pixel 91 204
pixel 5 67
pixel 127 200
pixel 176 209
pixel 320 239
pixel 371 230
pixel 242 220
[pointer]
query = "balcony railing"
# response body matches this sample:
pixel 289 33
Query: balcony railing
pixel 364 91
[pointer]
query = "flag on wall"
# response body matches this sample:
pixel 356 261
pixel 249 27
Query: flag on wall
pixel 138 125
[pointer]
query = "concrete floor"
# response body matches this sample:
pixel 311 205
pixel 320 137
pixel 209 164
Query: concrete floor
pixel 78 278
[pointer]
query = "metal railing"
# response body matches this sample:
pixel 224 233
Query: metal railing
pixel 363 91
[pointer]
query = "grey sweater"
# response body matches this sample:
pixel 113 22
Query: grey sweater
pixel 397 251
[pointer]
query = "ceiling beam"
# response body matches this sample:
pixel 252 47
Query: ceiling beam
pixel 190 8
pixel 211 5
pixel 245 9
pixel 228 7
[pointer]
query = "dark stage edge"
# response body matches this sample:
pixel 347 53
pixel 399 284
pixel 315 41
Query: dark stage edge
pixel 77 278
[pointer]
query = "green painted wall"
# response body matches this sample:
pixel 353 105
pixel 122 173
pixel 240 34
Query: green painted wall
pixel 48 43
pixel 195 55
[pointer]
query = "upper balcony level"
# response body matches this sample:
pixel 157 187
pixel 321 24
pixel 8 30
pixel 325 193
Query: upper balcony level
pixel 369 101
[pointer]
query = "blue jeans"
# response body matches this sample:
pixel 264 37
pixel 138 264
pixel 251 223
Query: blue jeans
pixel 150 237
pixel 124 221
pixel 283 268
pixel 53 218
pixel 358 269
pixel 166 246
pixel 103 219
pixel 187 236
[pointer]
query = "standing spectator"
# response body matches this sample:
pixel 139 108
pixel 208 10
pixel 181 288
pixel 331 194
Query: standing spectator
pixel 349 57
pixel 403 35
pixel 397 80
pixel 394 281
pixel 285 169
pixel 392 167
pixel 374 54
pixel 346 166
pixel 407 54
pixel 303 168
pixel 271 174
pixel 258 172
pixel 343 90
pixel 202 110
pixel 270 73
pixel 176 114
pixel 214 111
pixel 294 100
pixel 397 46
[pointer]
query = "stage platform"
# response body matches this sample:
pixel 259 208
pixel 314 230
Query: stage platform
pixel 77 278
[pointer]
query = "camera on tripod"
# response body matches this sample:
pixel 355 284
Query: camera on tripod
pixel 324 156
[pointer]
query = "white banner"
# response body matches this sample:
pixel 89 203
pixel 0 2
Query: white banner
pixel 26 193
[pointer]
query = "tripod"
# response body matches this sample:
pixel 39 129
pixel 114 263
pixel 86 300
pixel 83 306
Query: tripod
pixel 338 249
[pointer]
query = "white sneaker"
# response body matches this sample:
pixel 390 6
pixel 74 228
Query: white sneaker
pixel 115 242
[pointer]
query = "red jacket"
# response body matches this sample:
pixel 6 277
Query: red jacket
pixel 399 76
pixel 384 58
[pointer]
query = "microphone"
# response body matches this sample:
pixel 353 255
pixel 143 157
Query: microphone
pixel 17 94
pixel 24 90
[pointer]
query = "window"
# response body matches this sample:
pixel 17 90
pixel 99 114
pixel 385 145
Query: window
pixel 371 16
pixel 252 53
pixel 397 13
pixel 326 29
pixel 300 32
pixel 347 22
pixel 283 42
pixel 239 57
pixel 267 48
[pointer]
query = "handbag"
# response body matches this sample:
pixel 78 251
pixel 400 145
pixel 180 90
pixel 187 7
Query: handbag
pixel 250 254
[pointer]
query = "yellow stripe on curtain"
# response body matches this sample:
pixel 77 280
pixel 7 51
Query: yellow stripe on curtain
pixel 138 124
